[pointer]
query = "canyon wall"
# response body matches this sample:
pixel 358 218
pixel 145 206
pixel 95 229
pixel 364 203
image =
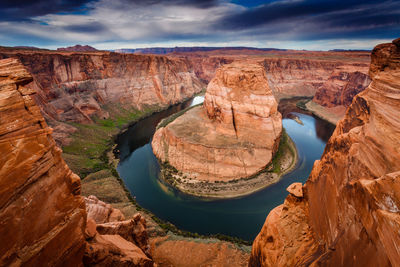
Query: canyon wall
pixel 304 76
pixel 348 213
pixel 205 67
pixel 75 86
pixel 42 215
pixel 344 83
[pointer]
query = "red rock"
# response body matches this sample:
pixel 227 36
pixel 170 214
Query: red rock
pixel 78 48
pixel 133 230
pixel 90 230
pixel 113 250
pixel 285 238
pixel 352 195
pixel 239 133
pixel 344 83
pixel 76 86
pixel 102 212
pixel 296 189
pixel 42 215
pixel 177 252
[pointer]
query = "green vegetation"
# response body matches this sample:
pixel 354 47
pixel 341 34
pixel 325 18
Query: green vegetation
pixel 302 104
pixel 90 143
pixel 284 146
pixel 87 155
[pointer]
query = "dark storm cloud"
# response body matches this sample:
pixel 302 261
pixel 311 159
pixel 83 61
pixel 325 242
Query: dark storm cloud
pixel 242 22
pixel 194 3
pixel 330 19
pixel 17 10
pixel 286 10
pixel 92 27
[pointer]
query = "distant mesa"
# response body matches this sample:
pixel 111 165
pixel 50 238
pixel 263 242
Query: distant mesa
pixel 168 50
pixel 78 48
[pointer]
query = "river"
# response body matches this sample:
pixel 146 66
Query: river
pixel 241 217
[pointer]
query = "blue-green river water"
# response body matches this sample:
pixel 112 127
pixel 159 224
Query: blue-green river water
pixel 241 217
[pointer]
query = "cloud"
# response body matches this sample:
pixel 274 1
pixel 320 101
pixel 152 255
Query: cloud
pixel 17 10
pixel 193 3
pixel 134 23
pixel 313 20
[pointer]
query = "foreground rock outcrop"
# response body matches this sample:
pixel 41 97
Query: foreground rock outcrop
pixel 114 241
pixel 233 135
pixel 42 215
pixel 350 212
pixel 43 218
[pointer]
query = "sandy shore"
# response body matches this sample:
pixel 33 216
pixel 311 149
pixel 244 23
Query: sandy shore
pixel 236 188
pixel 332 115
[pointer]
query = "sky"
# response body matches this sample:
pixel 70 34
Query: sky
pixel 113 24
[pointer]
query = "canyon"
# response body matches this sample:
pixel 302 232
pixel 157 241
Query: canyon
pixel 355 221
pixel 69 89
pixel 45 227
pixel 77 86
pixel 82 86
pixel 46 221
pixel 217 141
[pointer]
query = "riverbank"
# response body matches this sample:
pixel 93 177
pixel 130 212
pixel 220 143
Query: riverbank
pixel 283 162
pixel 331 115
pixel 97 161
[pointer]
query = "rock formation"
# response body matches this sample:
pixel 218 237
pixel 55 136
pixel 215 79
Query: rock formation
pixel 303 77
pixel 74 87
pixel 344 83
pixel 115 242
pixel 349 215
pixel 102 212
pixel 78 48
pixel 42 215
pixel 233 135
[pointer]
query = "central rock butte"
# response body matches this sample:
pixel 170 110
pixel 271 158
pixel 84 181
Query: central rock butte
pixel 234 134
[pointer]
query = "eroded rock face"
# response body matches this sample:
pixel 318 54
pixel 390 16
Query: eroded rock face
pixel 112 240
pixel 42 215
pixel 114 250
pixel 75 87
pixel 352 194
pixel 342 86
pixel 233 135
pixel 305 77
pixel 102 212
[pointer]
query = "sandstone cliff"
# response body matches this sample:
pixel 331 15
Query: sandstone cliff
pixel 43 219
pixel 293 73
pixel 343 84
pixel 349 214
pixel 74 86
pixel 42 215
pixel 233 135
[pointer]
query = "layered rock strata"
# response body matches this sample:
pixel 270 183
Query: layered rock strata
pixel 115 241
pixel 304 77
pixel 233 135
pixel 42 215
pixel 351 199
pixel 344 83
pixel 76 86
